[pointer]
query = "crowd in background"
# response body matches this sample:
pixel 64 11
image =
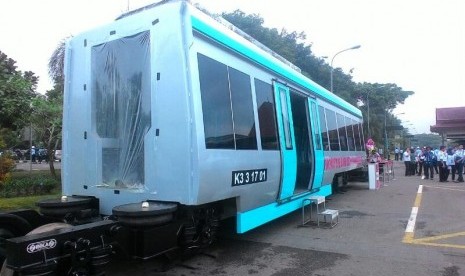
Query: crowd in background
pixel 428 162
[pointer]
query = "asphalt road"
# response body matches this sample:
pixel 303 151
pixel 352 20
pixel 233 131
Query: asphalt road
pixel 26 166
pixel 370 238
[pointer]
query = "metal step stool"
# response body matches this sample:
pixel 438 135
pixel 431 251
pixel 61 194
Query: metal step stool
pixel 317 200
pixel 329 217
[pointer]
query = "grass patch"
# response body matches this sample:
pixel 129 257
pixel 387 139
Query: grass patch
pixel 23 190
pixel 24 202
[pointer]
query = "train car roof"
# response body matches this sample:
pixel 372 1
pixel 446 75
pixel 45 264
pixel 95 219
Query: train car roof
pixel 231 37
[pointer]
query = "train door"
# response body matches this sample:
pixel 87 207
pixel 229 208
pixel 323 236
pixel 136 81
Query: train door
pixel 317 144
pixel 303 143
pixel 286 141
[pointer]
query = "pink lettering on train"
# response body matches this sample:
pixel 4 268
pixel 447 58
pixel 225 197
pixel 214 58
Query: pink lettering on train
pixel 332 163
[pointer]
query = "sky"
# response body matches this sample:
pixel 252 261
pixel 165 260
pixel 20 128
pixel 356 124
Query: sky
pixel 417 44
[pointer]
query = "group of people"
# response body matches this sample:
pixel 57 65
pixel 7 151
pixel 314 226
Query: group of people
pixel 425 162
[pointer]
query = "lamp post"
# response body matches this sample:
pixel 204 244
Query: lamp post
pixel 351 48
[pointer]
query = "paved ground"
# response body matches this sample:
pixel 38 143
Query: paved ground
pixel 26 166
pixel 370 238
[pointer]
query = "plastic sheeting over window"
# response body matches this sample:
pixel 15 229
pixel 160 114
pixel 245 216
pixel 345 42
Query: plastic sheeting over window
pixel 121 108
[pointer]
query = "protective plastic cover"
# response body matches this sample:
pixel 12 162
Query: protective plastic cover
pixel 121 108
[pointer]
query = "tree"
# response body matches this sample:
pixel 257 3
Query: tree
pixel 17 89
pixel 48 109
pixel 46 121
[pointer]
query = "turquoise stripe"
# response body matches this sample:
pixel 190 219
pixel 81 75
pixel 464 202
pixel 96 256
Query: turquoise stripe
pixel 210 31
pixel 259 216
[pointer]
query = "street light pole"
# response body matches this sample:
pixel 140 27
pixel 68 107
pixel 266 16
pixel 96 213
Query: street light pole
pixel 331 80
pixel 368 114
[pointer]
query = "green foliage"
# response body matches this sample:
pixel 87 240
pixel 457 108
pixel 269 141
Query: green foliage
pixel 28 186
pixel 7 164
pixel 16 91
pixel 432 140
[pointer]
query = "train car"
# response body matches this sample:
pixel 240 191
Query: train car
pixel 174 120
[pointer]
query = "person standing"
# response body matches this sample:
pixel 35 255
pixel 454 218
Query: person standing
pixel 406 157
pixel 396 154
pixel 435 160
pixel 421 162
pixel 450 163
pixel 459 157
pixel 428 164
pixel 33 154
pixel 441 163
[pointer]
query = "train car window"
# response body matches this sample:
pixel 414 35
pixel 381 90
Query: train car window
pixel 285 117
pixel 342 132
pixel 332 130
pixel 216 104
pixel 350 134
pixel 315 128
pixel 362 136
pixel 266 115
pixel 324 129
pixel 358 144
pixel 243 116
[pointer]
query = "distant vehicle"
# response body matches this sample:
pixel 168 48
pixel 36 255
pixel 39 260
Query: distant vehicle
pixel 57 155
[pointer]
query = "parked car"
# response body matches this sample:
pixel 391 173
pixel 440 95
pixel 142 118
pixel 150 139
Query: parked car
pixel 57 155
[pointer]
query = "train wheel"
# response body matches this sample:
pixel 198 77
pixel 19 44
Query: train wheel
pixel 6 234
pixel 201 231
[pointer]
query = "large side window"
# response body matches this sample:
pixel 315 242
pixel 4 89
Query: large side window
pixel 227 106
pixel 216 104
pixel 356 136
pixel 342 132
pixel 332 130
pixel 350 134
pixel 362 137
pixel 243 116
pixel 324 129
pixel 266 115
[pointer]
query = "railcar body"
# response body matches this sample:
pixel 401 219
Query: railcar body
pixel 170 106
pixel 162 105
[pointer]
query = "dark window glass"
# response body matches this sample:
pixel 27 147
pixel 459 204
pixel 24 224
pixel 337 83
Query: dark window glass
pixel 362 137
pixel 244 123
pixel 332 130
pixel 216 104
pixel 266 115
pixel 324 129
pixel 350 134
pixel 342 132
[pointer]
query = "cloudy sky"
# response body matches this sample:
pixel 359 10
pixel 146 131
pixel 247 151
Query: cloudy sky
pixel 418 45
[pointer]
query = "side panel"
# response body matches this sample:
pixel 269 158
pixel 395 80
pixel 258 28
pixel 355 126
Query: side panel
pixel 317 144
pixel 286 141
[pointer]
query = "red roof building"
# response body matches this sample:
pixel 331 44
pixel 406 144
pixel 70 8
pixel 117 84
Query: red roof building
pixel 450 123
